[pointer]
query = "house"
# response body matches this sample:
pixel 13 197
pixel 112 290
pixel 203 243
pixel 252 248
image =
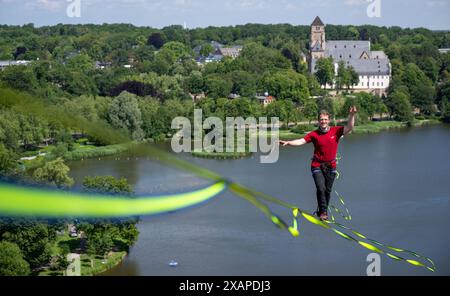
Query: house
pixel 219 53
pixel 373 67
pixel 197 97
pixel 265 99
pixel 210 58
pixel 102 65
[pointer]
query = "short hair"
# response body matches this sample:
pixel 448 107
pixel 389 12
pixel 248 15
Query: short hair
pixel 323 112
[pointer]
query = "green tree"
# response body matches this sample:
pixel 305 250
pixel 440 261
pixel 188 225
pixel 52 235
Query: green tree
pixel 124 113
pixel 399 105
pixel 343 76
pixel 256 59
pixel 11 260
pixel 34 240
pixel 195 83
pixel 324 71
pixel 287 84
pixel 310 110
pixel 446 112
pixel 420 88
pixel 217 86
pixel 156 39
pixel 81 62
pixel 354 77
pixel 20 78
pixel 54 172
pixel 8 160
pixel 99 242
pixel 152 123
pixel 244 83
pixel 206 49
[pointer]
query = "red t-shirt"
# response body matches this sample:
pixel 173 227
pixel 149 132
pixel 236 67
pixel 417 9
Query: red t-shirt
pixel 325 145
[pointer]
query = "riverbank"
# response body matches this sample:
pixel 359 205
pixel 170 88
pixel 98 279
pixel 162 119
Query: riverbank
pixel 88 151
pixel 379 126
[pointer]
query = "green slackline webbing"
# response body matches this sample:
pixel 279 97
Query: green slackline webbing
pixel 27 201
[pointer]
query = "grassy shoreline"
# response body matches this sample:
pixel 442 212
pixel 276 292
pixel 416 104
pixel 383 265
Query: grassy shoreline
pixel 81 153
pixel 99 263
pixel 379 126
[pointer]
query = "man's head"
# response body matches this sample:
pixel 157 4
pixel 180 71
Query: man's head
pixel 324 119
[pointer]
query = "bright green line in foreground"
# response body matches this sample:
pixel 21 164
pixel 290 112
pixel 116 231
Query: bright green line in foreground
pixel 25 201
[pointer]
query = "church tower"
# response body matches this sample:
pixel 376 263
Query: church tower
pixel 317 43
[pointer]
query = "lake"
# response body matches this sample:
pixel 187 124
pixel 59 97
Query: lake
pixel 396 185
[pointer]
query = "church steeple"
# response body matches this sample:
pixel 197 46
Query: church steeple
pixel 317 43
pixel 317 22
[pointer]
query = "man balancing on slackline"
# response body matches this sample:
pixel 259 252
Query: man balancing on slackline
pixel 323 165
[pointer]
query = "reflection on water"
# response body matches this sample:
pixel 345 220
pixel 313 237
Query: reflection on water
pixel 394 183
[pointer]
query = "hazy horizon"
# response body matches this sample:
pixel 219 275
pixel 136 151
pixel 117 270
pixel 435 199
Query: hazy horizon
pixel 429 14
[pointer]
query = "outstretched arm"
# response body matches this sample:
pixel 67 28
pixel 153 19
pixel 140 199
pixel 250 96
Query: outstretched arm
pixel 351 120
pixel 298 142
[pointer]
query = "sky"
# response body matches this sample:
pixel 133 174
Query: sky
pixel 431 14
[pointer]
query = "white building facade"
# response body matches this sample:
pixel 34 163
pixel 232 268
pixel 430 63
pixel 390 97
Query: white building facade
pixel 373 67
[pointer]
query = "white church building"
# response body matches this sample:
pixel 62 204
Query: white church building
pixel 373 67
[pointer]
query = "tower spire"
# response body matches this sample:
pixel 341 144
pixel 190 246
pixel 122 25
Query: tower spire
pixel 317 22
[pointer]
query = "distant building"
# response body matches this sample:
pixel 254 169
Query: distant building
pixel 102 65
pixel 210 58
pixel 444 50
pixel 4 64
pixel 265 99
pixel 373 67
pixel 219 53
pixel 196 97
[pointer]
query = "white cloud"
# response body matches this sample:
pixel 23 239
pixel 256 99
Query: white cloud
pixel 437 3
pixel 51 5
pixel 356 2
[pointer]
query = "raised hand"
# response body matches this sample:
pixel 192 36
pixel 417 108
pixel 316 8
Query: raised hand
pixel 352 110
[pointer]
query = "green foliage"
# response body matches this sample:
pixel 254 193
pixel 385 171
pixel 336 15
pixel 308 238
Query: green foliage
pixel 195 83
pixel 303 128
pixel 11 260
pixel 287 85
pixel 206 49
pixel 54 173
pixel 99 243
pixel 217 85
pixel 399 106
pixel 257 59
pixel 8 165
pixel 34 240
pixel 325 71
pixel 446 112
pixel 244 83
pixel 19 77
pixel 310 110
pixel 124 114
pixel 419 87
pixel 106 184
